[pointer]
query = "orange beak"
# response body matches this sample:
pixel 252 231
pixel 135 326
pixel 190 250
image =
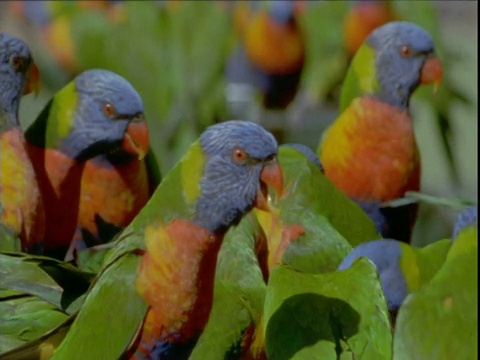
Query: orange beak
pixel 136 139
pixel 432 72
pixel 271 175
pixel 33 80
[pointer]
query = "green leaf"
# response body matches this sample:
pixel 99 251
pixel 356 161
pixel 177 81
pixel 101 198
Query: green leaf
pixel 25 318
pixel 440 320
pixel 41 347
pixel 54 281
pixel 327 316
pixel 91 259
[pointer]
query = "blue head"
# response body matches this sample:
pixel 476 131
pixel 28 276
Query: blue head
pixel 15 66
pixel 402 49
pixel 241 161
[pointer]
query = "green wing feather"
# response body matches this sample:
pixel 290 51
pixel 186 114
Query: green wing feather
pixel 238 294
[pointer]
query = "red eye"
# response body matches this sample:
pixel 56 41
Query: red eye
pixel 108 109
pixel 16 62
pixel 239 155
pixel 406 51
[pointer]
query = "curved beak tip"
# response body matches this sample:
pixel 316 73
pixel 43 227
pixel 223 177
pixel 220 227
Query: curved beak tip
pixel 33 80
pixel 432 72
pixel 271 175
pixel 136 139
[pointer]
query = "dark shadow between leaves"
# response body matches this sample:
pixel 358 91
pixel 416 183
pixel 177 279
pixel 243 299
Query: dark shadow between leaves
pixel 304 319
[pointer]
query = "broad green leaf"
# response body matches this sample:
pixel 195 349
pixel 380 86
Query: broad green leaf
pixel 333 315
pixel 41 347
pixel 91 259
pixel 440 321
pixel 54 281
pixel 26 318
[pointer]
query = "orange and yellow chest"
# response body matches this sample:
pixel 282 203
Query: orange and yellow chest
pixel 370 151
pixel 22 209
pixel 176 279
pixel 115 193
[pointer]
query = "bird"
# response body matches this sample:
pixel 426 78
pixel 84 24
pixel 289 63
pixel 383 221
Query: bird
pixel 159 275
pixel 86 146
pixel 269 58
pixel 370 151
pixel 21 204
pixel 310 228
pixel 364 16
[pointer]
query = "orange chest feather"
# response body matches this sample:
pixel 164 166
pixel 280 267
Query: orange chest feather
pixel 115 193
pixel 176 278
pixel 22 207
pixel 370 151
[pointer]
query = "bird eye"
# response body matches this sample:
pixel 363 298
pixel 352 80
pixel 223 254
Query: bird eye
pixel 239 155
pixel 406 51
pixel 16 62
pixel 108 109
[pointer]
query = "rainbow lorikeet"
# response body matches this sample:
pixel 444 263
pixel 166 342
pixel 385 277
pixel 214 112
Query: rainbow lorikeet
pixel 370 151
pixel 156 285
pixel 310 228
pixel 271 54
pixel 87 147
pixel 21 205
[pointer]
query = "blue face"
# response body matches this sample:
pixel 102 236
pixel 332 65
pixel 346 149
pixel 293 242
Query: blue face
pixel 401 49
pixel 15 60
pixel 107 104
pixel 236 154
